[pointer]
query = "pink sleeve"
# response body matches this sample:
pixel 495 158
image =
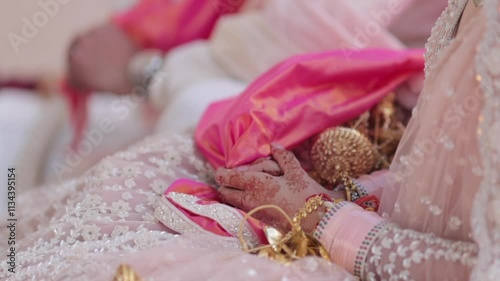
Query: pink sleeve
pixel 374 249
pixel 374 183
pixel 164 24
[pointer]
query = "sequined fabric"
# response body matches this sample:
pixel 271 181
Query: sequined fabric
pixel 443 185
pixel 486 215
pixel 86 228
pixel 437 168
pixel 457 197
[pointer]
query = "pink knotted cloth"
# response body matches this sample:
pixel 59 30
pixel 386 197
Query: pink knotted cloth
pixel 299 98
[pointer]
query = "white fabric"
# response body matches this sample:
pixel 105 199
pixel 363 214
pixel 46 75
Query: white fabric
pixel 19 110
pixel 189 81
pixel 184 112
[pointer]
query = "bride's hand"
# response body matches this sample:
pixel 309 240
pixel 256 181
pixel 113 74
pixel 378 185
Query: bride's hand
pixel 98 60
pixel 283 183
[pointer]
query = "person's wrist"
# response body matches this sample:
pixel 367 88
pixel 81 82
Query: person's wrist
pixel 332 194
pixel 311 220
pixel 142 68
pixel 330 198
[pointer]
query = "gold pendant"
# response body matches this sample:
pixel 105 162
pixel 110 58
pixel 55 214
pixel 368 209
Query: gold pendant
pixel 478 3
pixel 273 236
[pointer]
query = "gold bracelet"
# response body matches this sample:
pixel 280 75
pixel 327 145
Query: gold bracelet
pixel 311 205
pixel 296 244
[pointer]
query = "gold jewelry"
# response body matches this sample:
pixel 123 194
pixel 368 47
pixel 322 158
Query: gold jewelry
pixel 310 206
pixel 365 144
pixel 351 189
pixel 296 244
pixel 339 151
pixel 126 273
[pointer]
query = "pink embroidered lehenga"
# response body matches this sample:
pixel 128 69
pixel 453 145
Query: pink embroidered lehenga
pixel 442 190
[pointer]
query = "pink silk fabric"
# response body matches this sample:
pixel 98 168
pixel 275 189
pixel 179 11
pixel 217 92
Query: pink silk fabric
pixel 299 98
pixel 164 24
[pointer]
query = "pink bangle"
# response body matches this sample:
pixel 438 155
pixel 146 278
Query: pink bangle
pixel 348 243
pixel 374 183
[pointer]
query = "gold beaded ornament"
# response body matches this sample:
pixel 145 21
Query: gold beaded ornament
pixel 359 147
pixel 342 151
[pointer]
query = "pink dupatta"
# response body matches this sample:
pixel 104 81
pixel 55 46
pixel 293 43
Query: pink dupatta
pixel 164 24
pixel 299 98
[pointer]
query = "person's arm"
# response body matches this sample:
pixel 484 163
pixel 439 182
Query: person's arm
pixel 362 242
pixel 374 249
pixel 164 24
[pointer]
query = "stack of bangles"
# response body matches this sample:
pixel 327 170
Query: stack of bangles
pixel 349 227
pixel 355 193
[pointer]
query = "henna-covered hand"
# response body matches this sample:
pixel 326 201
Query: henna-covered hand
pixel 282 182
